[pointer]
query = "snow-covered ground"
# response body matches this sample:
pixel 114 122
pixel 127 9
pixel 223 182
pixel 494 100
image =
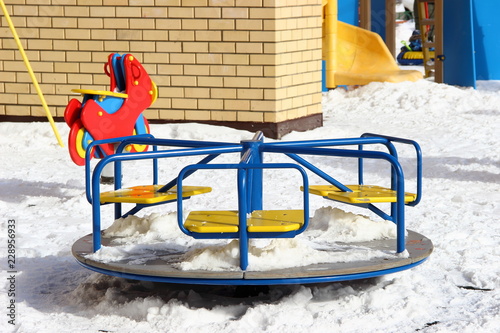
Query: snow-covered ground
pixel 455 290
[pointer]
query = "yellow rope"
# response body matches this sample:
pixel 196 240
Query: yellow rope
pixel 32 75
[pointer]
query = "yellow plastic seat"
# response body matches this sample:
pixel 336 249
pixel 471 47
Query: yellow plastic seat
pixel 99 92
pixel 276 221
pixel 148 194
pixel 360 194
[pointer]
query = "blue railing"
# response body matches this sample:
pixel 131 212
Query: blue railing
pixel 121 157
pixel 250 169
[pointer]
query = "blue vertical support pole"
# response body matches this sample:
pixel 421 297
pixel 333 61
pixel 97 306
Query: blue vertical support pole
pixel 398 208
pixel 395 206
pixel 360 168
pixel 324 88
pixel 242 217
pixel 254 176
pixel 257 175
pixel 96 216
pixel 155 168
pixel 118 185
pixel 249 191
pixel 96 205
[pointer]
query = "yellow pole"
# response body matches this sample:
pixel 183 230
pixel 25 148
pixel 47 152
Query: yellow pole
pixel 32 75
pixel 330 41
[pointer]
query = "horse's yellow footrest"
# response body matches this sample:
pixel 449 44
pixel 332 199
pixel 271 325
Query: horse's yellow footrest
pixel 257 221
pixel 360 194
pixel 148 194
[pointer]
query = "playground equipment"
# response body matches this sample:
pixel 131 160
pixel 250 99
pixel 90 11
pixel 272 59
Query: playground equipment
pixel 356 56
pixel 431 26
pixel 251 220
pixel 466 46
pixel 110 114
pixel 413 54
pixel 470 41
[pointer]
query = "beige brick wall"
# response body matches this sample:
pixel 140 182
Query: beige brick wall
pixel 213 60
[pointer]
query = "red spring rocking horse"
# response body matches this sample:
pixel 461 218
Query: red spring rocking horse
pixel 111 114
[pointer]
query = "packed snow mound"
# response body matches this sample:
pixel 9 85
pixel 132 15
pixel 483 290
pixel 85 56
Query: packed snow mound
pixel 335 225
pixel 329 229
pixel 423 97
pixel 148 228
pixel 277 254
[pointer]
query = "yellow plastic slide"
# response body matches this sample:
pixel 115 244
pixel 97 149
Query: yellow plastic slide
pixel 356 56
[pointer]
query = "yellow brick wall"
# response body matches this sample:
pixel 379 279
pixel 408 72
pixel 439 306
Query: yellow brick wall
pixel 213 60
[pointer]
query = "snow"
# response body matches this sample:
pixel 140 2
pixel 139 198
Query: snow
pixel 408 4
pixel 141 238
pixel 456 290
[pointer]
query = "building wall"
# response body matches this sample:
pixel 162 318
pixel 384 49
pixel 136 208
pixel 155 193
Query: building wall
pixel 231 61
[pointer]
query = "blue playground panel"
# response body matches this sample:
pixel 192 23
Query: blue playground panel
pixel 378 13
pixel 471 46
pixel 348 11
pixel 459 66
pixel 487 48
pixel 471 43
